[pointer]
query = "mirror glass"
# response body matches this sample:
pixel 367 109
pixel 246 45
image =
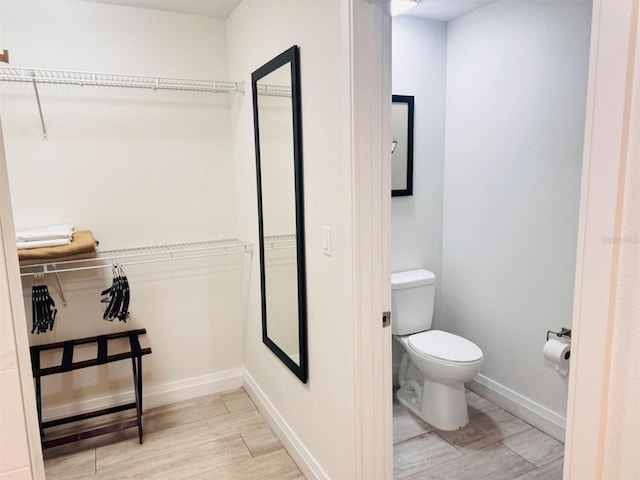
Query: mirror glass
pixel 401 145
pixel 278 143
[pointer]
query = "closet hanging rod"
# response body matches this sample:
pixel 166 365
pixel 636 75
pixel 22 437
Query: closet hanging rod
pixel 168 252
pixel 69 77
pixel 124 264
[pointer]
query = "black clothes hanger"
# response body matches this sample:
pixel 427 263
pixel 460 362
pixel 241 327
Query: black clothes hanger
pixel 117 296
pixel 42 306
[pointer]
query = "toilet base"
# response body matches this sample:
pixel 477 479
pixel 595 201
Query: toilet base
pixel 443 406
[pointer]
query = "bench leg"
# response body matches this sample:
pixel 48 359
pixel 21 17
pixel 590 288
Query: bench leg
pixel 38 382
pixel 137 387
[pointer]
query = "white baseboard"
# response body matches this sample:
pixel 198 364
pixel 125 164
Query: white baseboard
pixel 294 446
pixel 154 395
pixel 525 409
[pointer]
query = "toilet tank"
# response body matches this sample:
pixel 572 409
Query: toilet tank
pixel 412 298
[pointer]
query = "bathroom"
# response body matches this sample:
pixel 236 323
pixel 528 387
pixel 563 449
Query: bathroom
pixel 499 112
pixel 342 353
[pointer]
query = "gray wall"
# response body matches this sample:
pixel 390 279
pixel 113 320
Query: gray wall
pixel 416 221
pixel 516 92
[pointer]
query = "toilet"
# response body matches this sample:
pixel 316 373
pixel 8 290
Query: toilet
pixel 436 364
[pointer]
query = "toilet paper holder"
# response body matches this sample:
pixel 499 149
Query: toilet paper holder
pixel 564 332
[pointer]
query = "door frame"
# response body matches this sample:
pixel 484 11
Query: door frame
pixel 611 75
pixel 370 94
pixel 9 267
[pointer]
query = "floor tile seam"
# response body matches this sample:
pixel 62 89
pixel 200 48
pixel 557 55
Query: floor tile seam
pixel 169 407
pixel 209 419
pixel 242 461
pixel 514 434
pixel 247 446
pixel 484 410
pixel 419 435
pixel 151 474
pixel 449 443
pixel 537 466
pixel 551 461
pixel 511 450
pixel 200 443
pixel 444 460
pixel 240 410
pixel 455 459
pixel 469 450
pixel 151 410
pixel 187 422
pixel 107 470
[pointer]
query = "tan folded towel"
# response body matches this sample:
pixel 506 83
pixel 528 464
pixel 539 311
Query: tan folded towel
pixel 82 243
pixel 38 261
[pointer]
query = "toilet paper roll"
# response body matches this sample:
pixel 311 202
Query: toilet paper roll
pixel 558 352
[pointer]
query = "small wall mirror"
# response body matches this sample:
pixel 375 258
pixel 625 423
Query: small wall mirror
pixel 401 145
pixel 278 144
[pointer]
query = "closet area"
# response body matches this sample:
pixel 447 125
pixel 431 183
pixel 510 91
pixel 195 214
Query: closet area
pixel 118 121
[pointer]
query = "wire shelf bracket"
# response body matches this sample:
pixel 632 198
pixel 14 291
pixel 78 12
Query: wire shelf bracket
pixel 69 77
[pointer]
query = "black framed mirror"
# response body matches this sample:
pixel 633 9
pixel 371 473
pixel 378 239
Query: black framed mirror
pixel 401 145
pixel 278 145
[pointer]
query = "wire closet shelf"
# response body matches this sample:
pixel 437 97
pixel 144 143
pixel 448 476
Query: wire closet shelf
pixel 141 255
pixel 279 242
pixel 273 90
pixel 68 77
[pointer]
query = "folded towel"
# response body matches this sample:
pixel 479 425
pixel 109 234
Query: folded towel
pixel 52 232
pixel 24 262
pixel 56 242
pixel 82 242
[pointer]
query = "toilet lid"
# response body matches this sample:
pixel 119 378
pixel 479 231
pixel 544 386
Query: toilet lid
pixel 445 346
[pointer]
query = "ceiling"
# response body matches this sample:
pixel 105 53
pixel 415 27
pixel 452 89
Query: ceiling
pixel 208 8
pixel 443 10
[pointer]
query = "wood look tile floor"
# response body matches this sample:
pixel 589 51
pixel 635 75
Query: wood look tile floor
pixel 214 437
pixel 225 437
pixel 495 445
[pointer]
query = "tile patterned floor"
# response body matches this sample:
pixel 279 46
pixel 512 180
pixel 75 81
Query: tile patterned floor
pixel 225 437
pixel 214 437
pixel 495 445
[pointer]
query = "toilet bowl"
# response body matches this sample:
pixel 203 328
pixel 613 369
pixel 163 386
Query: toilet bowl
pixel 434 389
pixel 436 364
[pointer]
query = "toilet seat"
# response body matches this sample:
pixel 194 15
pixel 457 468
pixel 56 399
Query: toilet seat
pixel 444 347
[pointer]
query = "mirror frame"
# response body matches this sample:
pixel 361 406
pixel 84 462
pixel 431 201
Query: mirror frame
pixel 288 57
pixel 409 101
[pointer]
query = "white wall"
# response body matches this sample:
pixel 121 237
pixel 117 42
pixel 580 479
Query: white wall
pixel 516 89
pixel 311 413
pixel 138 168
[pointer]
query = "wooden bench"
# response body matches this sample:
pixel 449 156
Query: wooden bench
pixel 135 353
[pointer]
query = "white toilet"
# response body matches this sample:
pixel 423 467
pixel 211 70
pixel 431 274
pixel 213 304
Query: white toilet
pixel 436 364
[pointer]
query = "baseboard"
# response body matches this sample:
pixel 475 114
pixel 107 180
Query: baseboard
pixel 294 446
pixel 525 409
pixel 154 395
